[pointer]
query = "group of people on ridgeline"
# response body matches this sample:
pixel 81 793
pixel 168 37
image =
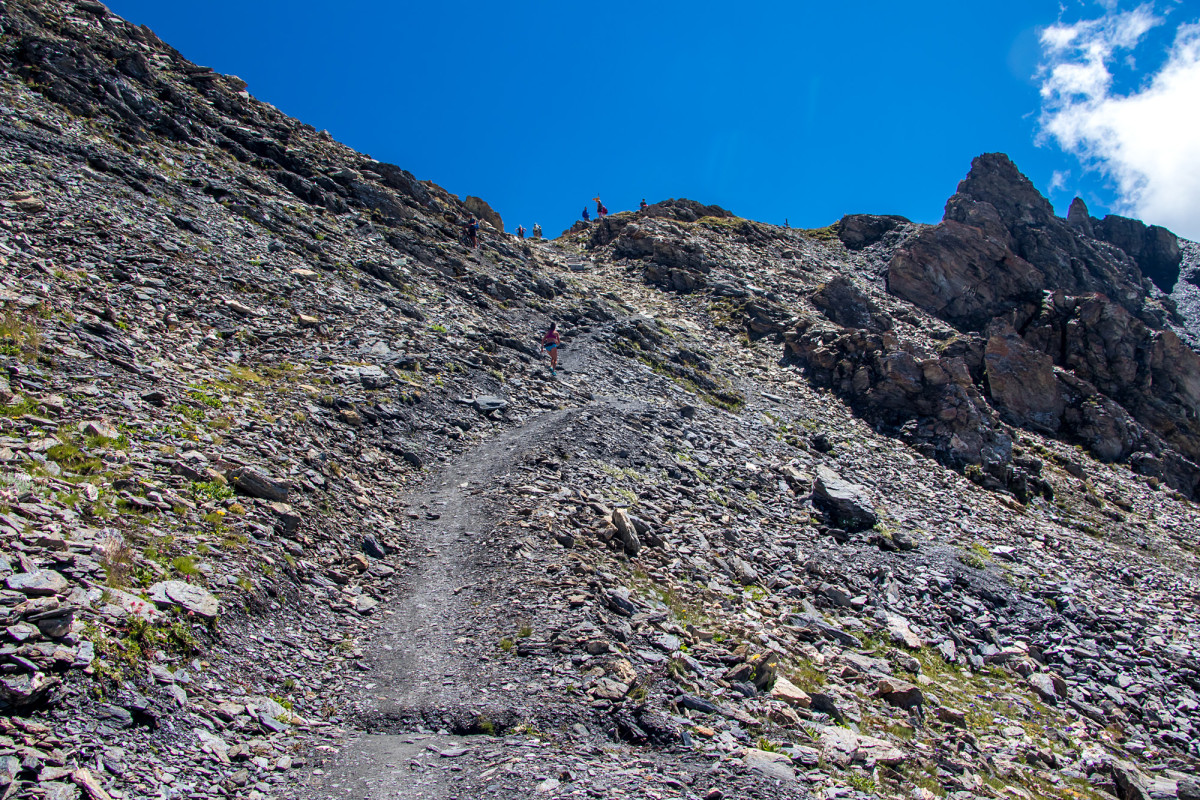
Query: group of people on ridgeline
pixel 602 210
pixel 471 227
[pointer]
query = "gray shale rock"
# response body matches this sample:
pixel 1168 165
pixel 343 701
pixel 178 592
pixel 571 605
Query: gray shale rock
pixel 256 484
pixel 187 596
pixel 846 504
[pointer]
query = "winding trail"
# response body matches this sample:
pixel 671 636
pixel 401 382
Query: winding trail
pixel 429 681
pixel 419 670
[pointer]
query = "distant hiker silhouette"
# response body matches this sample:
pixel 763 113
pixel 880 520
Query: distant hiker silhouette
pixel 601 211
pixel 520 231
pixel 473 231
pixel 642 207
pixel 586 216
pixel 537 231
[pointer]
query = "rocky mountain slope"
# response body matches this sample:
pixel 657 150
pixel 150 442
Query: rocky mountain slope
pixel 291 505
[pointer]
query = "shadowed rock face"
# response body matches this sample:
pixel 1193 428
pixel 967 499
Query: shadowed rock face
pixel 1155 249
pixel 863 230
pixel 1078 218
pixel 1021 381
pixel 847 305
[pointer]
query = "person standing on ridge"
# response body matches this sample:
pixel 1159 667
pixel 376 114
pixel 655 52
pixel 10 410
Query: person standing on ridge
pixel 473 231
pixel 642 207
pixel 586 216
pixel 520 231
pixel 601 211
pixel 537 231
pixel 551 341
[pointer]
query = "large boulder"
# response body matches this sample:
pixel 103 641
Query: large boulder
pixel 251 482
pixel 187 596
pixel 846 504
pixel 963 275
pixel 776 766
pixel 685 210
pixel 863 230
pixel 39 583
pixel 843 747
pixel 1021 381
pixel 479 207
pixel 849 306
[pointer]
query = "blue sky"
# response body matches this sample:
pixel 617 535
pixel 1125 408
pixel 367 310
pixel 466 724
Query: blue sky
pixel 775 110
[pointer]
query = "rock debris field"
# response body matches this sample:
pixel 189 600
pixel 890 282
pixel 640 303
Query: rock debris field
pixel 291 505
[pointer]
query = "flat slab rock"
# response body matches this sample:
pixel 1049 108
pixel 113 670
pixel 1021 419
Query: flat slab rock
pixel 187 596
pixel 256 484
pixel 770 765
pixel 487 404
pixel 846 503
pixel 39 583
pixel 843 747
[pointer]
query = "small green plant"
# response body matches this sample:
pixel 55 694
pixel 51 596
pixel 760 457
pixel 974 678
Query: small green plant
pixel 211 490
pixel 437 327
pixel 826 234
pixel 862 782
pixel 19 336
pixel 205 399
pixel 506 644
pixel 18 409
pixel 70 457
pixel 977 556
pixel 185 565
pixel 244 375
pixel 188 412
pixel 525 632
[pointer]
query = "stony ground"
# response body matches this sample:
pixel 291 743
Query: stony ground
pixel 291 506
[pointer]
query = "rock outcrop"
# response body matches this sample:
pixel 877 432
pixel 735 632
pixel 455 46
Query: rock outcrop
pixel 1001 260
pixel 862 230
pixel 479 207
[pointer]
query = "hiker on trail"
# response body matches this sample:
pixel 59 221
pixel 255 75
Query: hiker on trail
pixel 520 231
pixel 550 341
pixel 601 211
pixel 785 223
pixel 537 231
pixel 473 231
pixel 586 216
pixel 642 207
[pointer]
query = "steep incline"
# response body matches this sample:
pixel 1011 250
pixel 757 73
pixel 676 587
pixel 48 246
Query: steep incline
pixel 290 505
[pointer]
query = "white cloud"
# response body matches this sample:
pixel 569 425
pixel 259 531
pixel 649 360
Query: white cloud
pixel 1146 140
pixel 1059 180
